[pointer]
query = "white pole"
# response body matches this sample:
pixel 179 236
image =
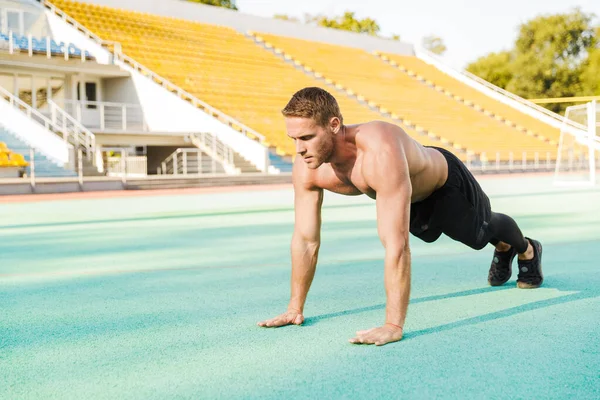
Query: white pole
pixel 483 159
pixel 214 154
pixel 592 134
pixel 123 167
pixel 497 161
pixel 185 163
pixel 80 167
pixel 32 168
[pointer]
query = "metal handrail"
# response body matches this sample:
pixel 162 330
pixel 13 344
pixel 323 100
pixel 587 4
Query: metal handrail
pixel 215 148
pixel 30 111
pixel 129 114
pixel 82 137
pixel 106 103
pixel 118 55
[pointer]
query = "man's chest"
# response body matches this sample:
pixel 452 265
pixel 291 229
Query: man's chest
pixel 350 182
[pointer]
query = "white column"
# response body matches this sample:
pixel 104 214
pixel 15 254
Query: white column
pixel 592 135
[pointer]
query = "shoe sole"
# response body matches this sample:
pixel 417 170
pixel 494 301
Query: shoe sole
pixel 509 273
pixel 523 285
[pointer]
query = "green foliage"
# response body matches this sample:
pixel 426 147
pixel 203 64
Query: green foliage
pixel 347 22
pixel 590 78
pixel 553 56
pixel 495 68
pixel 434 44
pixel 286 17
pixel 218 3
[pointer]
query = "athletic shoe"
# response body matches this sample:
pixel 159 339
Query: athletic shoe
pixel 501 269
pixel 530 271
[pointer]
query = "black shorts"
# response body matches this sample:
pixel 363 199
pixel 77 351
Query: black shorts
pixel 460 209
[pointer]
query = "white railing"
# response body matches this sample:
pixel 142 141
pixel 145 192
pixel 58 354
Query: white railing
pixel 118 55
pixel 78 135
pixel 70 131
pixel 216 149
pixel 497 89
pixel 127 166
pixel 190 161
pixel 108 116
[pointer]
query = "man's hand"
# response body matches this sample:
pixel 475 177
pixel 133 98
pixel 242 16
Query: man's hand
pixel 378 336
pixel 287 318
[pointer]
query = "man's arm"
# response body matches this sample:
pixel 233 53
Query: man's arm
pixel 306 240
pixel 385 169
pixel 305 244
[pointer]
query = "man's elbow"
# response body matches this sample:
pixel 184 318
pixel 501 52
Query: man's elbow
pixel 398 248
pixel 312 242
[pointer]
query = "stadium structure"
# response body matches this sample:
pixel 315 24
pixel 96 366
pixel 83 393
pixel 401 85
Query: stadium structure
pixel 174 93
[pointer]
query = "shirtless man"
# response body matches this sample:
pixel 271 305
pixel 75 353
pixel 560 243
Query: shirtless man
pixel 426 191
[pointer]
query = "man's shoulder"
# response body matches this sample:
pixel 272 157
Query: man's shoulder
pixel 374 135
pixel 303 177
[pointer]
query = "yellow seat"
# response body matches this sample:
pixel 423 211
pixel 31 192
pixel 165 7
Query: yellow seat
pixel 404 93
pixel 18 160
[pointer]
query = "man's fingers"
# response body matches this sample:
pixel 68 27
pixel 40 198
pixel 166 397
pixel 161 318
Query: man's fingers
pixel 281 321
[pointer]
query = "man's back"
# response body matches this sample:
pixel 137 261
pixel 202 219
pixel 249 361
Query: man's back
pixel 427 168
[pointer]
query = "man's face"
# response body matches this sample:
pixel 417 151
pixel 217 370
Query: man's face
pixel 314 143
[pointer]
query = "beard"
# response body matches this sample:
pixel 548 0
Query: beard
pixel 322 154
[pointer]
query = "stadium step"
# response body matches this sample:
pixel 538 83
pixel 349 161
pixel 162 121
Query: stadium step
pixel 419 133
pixel 43 166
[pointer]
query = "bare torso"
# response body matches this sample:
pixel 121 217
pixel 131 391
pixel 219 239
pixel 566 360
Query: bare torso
pixel 427 167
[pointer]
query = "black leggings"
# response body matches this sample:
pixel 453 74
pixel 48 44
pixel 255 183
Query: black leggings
pixel 505 229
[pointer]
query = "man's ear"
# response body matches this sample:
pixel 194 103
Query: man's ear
pixel 335 124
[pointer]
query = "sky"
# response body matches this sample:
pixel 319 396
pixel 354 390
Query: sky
pixel 469 28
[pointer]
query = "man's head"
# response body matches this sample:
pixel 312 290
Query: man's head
pixel 312 119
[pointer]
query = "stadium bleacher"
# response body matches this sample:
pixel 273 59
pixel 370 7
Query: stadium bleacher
pixel 250 77
pixel 398 93
pixel 220 66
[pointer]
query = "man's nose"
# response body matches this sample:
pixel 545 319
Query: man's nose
pixel 300 148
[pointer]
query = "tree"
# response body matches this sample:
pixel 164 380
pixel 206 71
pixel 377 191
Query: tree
pixel 347 22
pixel 218 3
pixel 434 44
pixel 286 17
pixel 590 78
pixel 549 58
pixel 495 68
